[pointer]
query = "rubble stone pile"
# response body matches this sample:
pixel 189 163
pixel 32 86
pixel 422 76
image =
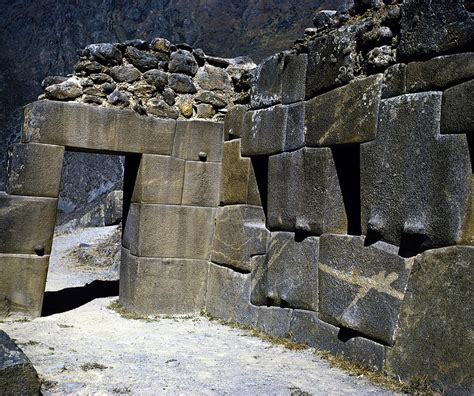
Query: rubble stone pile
pixel 158 79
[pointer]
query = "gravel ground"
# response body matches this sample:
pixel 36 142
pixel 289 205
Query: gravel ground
pixel 93 350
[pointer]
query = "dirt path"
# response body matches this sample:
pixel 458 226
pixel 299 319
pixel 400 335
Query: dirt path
pixel 93 350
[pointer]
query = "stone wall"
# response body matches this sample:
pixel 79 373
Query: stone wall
pixel 333 206
pixel 361 142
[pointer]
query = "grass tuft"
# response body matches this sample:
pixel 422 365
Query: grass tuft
pixel 284 342
pixel 126 314
pixel 417 386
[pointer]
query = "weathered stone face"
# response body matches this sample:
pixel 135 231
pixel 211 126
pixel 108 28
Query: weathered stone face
pixel 201 183
pixel 295 129
pixel 394 81
pixel 274 321
pixel 26 224
pixel 183 61
pixel 194 137
pixel 264 131
pixel 104 53
pixel 304 192
pixel 162 286
pixel 212 78
pixel 457 112
pixel 345 115
pixel 67 90
pixel 440 73
pixel 169 231
pixel 162 109
pixel 17 374
pixel 80 126
pixel 22 284
pixel 361 287
pixel 234 122
pixel 266 90
pixel 293 78
pixel 141 59
pixel 238 184
pixel 125 73
pixel 331 60
pixel 240 234
pixel 436 321
pixel 434 27
pixel 35 170
pixel 181 83
pixel 403 169
pixel 228 296
pixel 159 180
pixel 155 77
pixel 288 274
pixel 306 328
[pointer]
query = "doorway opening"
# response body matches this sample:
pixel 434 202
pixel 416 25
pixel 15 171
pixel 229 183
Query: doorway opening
pixel 85 258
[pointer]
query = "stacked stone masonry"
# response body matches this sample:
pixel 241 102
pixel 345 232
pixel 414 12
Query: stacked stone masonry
pixel 333 206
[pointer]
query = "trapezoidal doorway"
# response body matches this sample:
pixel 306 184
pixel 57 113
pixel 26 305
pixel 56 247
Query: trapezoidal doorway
pixel 171 192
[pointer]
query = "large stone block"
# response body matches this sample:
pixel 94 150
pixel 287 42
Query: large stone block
pixel 434 335
pixel 295 130
pixel 331 59
pixel 35 170
pixel 394 81
pixel 240 234
pixel 228 296
pixel 195 137
pixel 288 275
pixel 159 180
pixel 457 111
pixel 304 193
pixel 402 171
pixel 361 287
pixel 162 286
pixel 17 374
pixel 80 126
pixel 234 122
pixel 440 73
pixel 344 115
pixel 274 321
pixel 26 224
pixel 306 328
pixel 169 231
pixel 435 27
pixel 293 78
pixel 202 182
pixel 238 183
pixel 266 89
pixel 22 284
pixel 264 131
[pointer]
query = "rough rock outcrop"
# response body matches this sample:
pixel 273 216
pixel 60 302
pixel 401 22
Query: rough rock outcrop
pixel 17 374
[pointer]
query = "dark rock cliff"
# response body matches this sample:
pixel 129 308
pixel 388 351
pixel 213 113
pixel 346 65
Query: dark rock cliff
pixel 41 38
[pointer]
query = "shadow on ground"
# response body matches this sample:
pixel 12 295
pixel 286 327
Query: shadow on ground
pixel 73 297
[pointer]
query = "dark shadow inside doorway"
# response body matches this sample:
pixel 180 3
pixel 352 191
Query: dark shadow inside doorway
pixel 74 297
